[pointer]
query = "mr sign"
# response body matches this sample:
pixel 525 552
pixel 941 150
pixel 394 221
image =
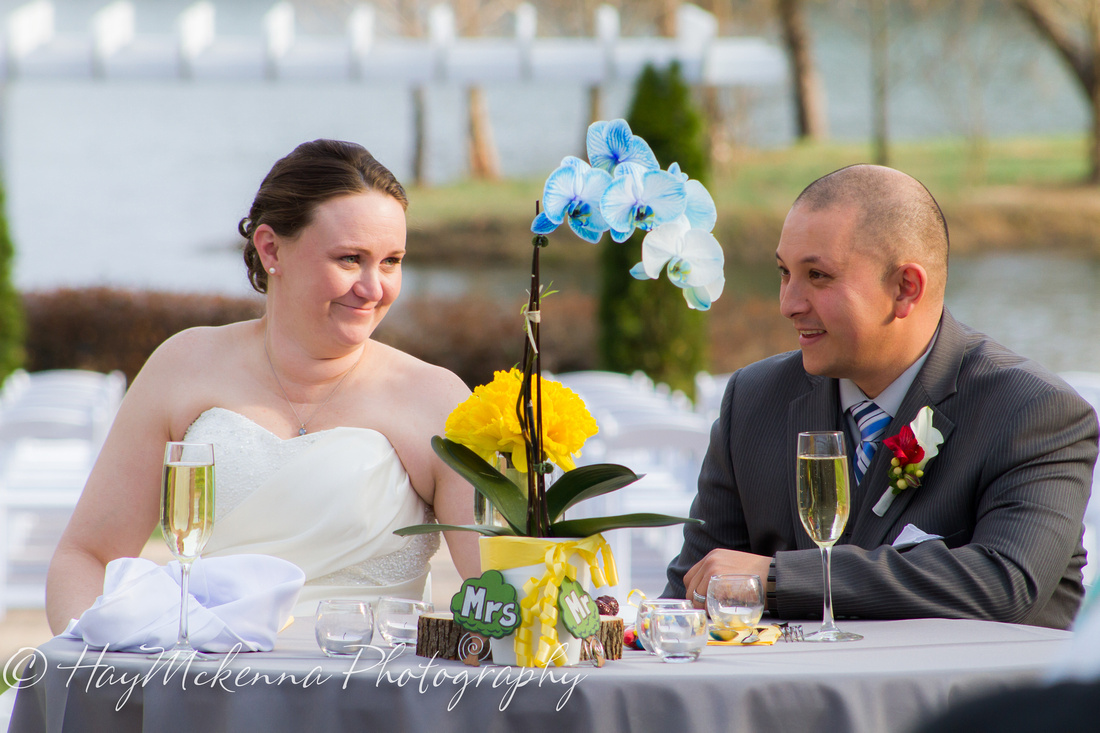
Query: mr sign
pixel 578 611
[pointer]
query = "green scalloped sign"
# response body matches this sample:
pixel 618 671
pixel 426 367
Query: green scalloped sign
pixel 487 605
pixel 577 610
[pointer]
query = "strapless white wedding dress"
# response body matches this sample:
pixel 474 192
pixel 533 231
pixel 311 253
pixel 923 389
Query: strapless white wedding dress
pixel 327 501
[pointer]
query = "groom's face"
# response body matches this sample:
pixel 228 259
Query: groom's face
pixel 835 294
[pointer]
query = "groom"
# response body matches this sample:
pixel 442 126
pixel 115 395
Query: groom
pixel 863 265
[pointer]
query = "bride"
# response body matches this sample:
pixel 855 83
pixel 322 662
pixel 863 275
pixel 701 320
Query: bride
pixel 322 436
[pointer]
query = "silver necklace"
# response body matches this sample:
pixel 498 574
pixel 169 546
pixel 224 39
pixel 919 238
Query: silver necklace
pixel 301 424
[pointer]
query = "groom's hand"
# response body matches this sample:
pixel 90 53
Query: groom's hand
pixel 722 562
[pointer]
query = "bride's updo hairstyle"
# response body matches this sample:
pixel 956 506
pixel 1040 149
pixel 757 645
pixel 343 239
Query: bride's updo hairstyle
pixel 297 184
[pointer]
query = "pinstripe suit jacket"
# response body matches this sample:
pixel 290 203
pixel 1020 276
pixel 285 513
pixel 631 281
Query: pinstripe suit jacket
pixel 1007 491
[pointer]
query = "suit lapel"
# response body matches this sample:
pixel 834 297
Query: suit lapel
pixel 817 409
pixel 935 382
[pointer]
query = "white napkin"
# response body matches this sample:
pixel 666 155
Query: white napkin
pixel 234 600
pixel 911 536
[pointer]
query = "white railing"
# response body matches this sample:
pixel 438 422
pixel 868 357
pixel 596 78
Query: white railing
pixel 112 48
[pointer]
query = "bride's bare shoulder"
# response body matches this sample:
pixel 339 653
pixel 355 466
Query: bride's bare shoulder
pixel 188 373
pixel 206 346
pixel 428 381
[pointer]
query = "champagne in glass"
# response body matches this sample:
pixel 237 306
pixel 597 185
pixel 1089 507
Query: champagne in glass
pixel 187 516
pixel 823 505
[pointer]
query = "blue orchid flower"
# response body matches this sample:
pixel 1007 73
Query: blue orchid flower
pixel 700 211
pixel 624 189
pixel 613 148
pixel 643 200
pixel 692 257
pixel 573 193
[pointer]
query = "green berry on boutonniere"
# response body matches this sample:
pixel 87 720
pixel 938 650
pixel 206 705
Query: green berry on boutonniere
pixel 913 446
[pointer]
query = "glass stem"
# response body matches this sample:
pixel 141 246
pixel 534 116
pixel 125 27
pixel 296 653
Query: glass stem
pixel 185 570
pixel 827 612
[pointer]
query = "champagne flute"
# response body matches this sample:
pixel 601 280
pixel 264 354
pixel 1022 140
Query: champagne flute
pixel 823 506
pixel 187 517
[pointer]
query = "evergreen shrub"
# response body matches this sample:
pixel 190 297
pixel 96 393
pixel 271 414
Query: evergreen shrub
pixel 647 324
pixel 11 311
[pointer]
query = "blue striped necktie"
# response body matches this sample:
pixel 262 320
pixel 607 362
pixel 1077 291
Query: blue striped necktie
pixel 872 422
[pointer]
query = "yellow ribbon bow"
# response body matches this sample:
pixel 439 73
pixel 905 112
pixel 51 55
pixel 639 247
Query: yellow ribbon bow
pixel 538 647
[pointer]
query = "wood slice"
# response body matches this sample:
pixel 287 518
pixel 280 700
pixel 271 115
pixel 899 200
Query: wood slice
pixel 611 635
pixel 438 635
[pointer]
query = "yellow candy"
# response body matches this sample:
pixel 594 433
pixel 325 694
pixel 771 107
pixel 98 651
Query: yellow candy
pixel 722 634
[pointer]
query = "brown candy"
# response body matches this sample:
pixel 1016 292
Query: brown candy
pixel 607 606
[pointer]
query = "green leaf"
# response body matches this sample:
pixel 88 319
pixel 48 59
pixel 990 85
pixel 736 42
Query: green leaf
pixel 594 525
pixel 584 483
pixel 486 480
pixel 486 529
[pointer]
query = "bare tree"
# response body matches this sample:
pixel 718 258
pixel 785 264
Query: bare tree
pixel 473 17
pixel 809 97
pixel 880 83
pixel 1073 28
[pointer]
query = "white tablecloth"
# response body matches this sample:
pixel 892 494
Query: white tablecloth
pixel 902 672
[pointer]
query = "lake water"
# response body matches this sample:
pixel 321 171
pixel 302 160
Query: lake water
pixel 1039 305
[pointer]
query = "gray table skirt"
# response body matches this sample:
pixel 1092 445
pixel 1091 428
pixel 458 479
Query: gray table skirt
pixel 902 672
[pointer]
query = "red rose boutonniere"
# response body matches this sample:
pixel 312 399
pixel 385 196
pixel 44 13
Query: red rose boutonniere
pixel 913 447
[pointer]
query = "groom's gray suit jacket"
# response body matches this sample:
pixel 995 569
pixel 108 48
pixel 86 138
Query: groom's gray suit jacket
pixel 1007 491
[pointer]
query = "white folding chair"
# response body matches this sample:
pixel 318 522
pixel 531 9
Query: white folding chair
pixel 62 404
pixel 668 448
pixel 709 389
pixel 40 482
pixel 52 425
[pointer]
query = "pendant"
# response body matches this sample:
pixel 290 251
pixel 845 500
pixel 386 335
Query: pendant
pixel 302 430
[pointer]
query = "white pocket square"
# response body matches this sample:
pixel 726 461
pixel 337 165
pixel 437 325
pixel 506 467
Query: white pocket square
pixel 911 536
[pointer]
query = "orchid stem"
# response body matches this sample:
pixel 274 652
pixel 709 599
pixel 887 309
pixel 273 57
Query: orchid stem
pixel 529 409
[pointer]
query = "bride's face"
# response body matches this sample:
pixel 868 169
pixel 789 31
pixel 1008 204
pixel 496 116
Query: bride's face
pixel 342 272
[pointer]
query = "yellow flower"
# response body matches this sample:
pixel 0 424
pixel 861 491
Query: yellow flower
pixel 566 424
pixel 487 424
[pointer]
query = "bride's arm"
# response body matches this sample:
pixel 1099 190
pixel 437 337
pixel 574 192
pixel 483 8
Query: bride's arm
pixel 454 504
pixel 119 506
pixel 436 392
pixel 454 497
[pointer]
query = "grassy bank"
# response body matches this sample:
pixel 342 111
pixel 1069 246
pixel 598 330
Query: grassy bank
pixel 1000 194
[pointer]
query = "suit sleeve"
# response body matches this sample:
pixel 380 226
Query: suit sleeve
pixel 1022 561
pixel 717 503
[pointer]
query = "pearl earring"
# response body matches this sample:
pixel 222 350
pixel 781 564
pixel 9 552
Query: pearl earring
pixel 271 270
